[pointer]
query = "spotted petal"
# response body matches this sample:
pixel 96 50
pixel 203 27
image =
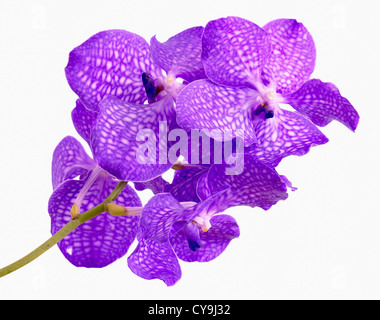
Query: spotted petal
pixel 155 260
pixel 213 242
pixel 286 134
pixel 110 63
pixel 119 134
pixel 205 105
pixel 158 217
pixel 83 120
pixel 184 185
pixel 154 257
pixel 234 51
pixel 322 102
pixel 256 186
pixel 69 160
pixel 181 54
pixel 157 185
pixel 101 240
pixel 292 59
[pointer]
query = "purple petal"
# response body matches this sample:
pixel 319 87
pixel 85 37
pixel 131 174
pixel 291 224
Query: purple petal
pixel 69 160
pixel 292 59
pixel 184 185
pixel 115 141
pixel 286 134
pixel 288 183
pixel 214 241
pixel 234 51
pixel 256 186
pixel 101 240
pixel 157 185
pixel 203 190
pixel 181 54
pixel 203 150
pixel 321 102
pixel 205 105
pixel 110 63
pixel 158 217
pixel 155 260
pixel 83 120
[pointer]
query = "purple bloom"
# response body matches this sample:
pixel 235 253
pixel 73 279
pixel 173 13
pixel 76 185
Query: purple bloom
pixel 226 80
pixel 161 244
pixel 103 239
pixel 170 229
pixel 115 62
pixel 251 70
pixel 110 63
pixel 113 73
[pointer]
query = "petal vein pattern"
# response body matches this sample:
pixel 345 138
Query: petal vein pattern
pixel 115 138
pixel 323 103
pixel 292 58
pixel 69 160
pixel 257 186
pixel 101 240
pixel 110 63
pixel 234 51
pixel 287 134
pixel 205 105
pixel 180 56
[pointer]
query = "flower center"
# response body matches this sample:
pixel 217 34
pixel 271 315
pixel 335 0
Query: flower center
pixel 266 103
pixel 203 220
pixel 155 87
pixel 172 86
pixel 270 96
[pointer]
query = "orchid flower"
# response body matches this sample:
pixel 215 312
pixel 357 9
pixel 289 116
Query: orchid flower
pixel 251 70
pixel 103 239
pixel 192 231
pixel 122 64
pixel 113 73
pixel 226 81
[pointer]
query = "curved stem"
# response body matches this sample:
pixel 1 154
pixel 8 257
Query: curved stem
pixel 69 227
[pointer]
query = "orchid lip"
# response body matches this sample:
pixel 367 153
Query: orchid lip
pixel 203 220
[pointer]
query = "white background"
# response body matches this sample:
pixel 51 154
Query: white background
pixel 321 243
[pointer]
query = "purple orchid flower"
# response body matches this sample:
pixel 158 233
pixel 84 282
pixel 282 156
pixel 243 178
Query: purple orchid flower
pixel 251 70
pixel 228 76
pixel 113 73
pixel 110 63
pixel 170 229
pixel 122 64
pixel 103 239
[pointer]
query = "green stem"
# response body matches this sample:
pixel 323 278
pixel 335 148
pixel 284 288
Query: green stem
pixel 69 227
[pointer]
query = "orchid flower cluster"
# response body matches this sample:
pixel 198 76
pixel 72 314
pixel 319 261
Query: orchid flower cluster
pixel 205 103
